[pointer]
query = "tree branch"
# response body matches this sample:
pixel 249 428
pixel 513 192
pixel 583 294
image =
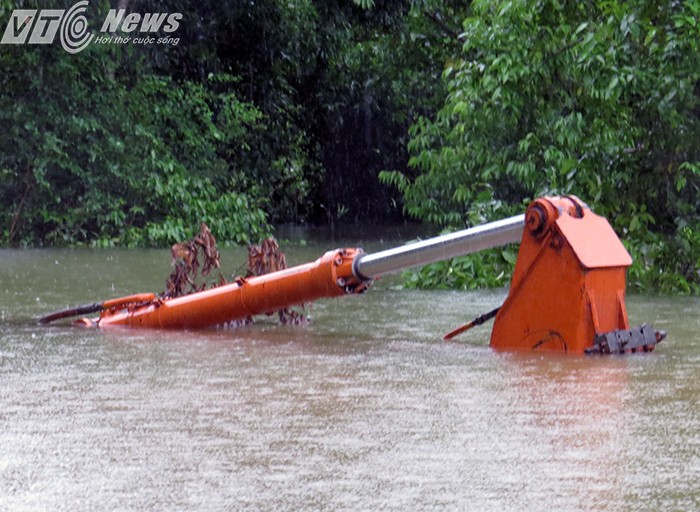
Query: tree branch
pixel 437 19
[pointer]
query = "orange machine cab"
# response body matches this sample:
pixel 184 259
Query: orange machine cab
pixel 567 293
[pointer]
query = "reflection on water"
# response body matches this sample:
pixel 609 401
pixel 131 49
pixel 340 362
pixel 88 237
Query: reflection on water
pixel 363 409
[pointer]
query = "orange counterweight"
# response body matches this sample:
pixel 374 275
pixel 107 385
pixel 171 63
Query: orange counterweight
pixel 329 276
pixel 568 286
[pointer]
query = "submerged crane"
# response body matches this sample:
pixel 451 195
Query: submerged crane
pixel 567 293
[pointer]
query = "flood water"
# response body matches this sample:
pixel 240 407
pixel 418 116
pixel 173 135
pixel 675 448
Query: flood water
pixel 364 409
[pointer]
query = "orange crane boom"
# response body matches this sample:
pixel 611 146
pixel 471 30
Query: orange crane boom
pixel 567 293
pixel 328 276
pixel 336 273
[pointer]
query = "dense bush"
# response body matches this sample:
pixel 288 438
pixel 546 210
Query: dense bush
pixel 264 112
pixel 598 99
pixel 105 160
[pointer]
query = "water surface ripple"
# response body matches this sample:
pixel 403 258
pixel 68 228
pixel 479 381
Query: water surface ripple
pixel 363 409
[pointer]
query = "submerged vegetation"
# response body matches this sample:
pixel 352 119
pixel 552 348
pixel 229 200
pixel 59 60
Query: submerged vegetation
pixel 449 112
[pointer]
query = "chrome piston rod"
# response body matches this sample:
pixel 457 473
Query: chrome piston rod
pixel 467 241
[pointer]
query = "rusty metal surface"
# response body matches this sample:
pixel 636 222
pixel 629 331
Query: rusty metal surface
pixel 621 341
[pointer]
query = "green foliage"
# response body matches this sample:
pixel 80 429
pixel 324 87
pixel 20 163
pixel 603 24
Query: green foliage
pixel 598 99
pixel 277 111
pixel 378 69
pixel 98 151
pixel 106 161
pixel 286 108
pixel 680 258
pixel 489 269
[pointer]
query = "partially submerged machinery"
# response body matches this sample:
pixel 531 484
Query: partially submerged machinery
pixel 567 293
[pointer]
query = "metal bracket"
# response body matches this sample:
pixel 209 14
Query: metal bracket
pixel 621 341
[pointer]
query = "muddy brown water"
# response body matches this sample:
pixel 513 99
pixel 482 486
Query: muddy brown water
pixel 365 408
